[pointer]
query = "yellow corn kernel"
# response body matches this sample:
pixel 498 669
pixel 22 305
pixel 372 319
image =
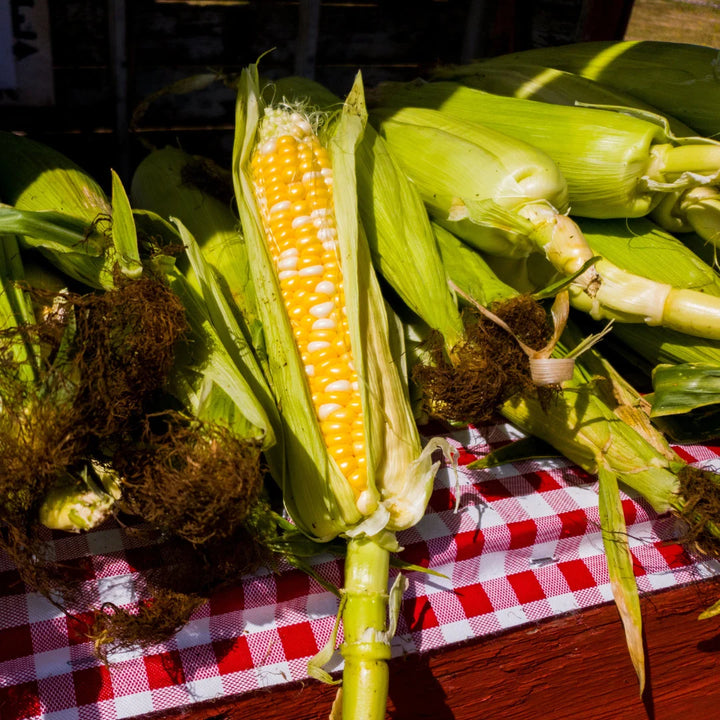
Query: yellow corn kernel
pixel 293 186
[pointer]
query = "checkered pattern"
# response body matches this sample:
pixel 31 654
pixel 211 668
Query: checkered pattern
pixel 525 545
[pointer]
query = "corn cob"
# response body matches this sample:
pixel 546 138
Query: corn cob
pixel 615 165
pixel 677 78
pixel 681 211
pixel 499 193
pixel 456 179
pixel 353 460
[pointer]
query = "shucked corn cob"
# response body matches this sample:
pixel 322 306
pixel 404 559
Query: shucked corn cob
pixel 293 185
pixel 353 461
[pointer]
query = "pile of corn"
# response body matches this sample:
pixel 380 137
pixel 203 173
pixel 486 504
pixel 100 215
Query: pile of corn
pixel 340 307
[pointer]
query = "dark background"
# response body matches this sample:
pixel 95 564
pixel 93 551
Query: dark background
pixel 107 57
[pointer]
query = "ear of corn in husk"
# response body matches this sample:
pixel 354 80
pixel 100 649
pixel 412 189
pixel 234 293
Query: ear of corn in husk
pixel 531 81
pixel 615 164
pixel 497 193
pixel 386 487
pixel 678 78
pixel 695 209
pixel 392 440
pixel 454 173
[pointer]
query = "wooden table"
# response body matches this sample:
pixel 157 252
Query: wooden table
pixel 566 668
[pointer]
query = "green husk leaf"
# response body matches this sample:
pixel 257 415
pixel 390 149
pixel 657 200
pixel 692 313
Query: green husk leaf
pixel 527 448
pixel 620 568
pixel 55 231
pixel 684 387
pixel 210 360
pixel 124 231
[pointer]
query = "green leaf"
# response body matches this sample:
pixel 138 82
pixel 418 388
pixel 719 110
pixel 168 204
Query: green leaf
pixel 711 612
pixel 124 231
pixel 51 230
pixel 620 569
pixel 527 448
pixel 684 387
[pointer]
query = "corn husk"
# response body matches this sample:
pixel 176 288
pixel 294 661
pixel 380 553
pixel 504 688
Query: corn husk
pixel 695 209
pixel 531 81
pixel 174 183
pixel 36 177
pixel 616 164
pixel 678 78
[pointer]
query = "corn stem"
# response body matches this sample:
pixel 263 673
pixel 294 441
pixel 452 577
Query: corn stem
pixel 366 649
pixel 699 158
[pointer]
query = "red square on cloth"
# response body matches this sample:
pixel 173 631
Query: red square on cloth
pixel 19 701
pixel 526 587
pixel 92 685
pixel 233 655
pixel 577 574
pixel 475 600
pixel 674 555
pixel 226 600
pixel 522 534
pixel 291 585
pixel 298 641
pixel 574 523
pixel 469 545
pixel 542 481
pixel 164 669
pixel 15 642
pixel 630 511
pixel 492 490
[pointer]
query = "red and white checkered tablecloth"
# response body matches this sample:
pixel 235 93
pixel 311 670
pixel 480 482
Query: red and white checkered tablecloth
pixel 525 545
